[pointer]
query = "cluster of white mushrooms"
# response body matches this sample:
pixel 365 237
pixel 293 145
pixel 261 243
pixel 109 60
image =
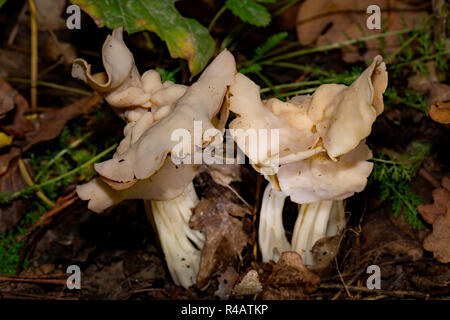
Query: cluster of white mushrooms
pixel 319 160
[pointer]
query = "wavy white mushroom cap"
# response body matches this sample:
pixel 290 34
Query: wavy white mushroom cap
pixel 167 183
pixel 320 178
pixel 344 115
pixel 121 83
pixel 255 118
pixel 337 115
pixel 201 102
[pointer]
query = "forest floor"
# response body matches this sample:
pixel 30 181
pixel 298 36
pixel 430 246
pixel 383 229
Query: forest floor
pixel 118 250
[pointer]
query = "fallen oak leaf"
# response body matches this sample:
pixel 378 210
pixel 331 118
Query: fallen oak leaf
pixel 249 285
pixel 13 121
pixel 435 91
pixel 381 238
pixel 440 112
pixel 438 241
pixel 438 214
pixel 226 282
pixel 7 98
pixel 226 227
pixel 11 182
pixel 335 21
pixel 48 127
pixel 7 157
pixel 52 122
pixel 290 279
pixel 430 212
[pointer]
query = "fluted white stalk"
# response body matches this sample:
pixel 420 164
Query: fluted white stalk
pixel 181 245
pixel 315 221
pixel 272 237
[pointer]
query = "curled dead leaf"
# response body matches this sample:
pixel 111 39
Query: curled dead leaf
pixel 48 126
pixel 324 251
pixel 438 214
pixel 249 285
pixel 438 241
pixel 440 112
pixel 226 282
pixel 290 279
pixel 226 224
pixel 11 182
pixel 380 238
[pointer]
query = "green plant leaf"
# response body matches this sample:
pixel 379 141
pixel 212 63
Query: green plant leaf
pixel 249 11
pixel 185 38
pixel 2 2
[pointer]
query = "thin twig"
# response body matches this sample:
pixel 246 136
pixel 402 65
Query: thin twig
pixel 34 53
pixel 427 176
pixel 50 85
pixel 349 283
pixel 27 280
pixel 15 29
pixel 378 291
pixel 46 217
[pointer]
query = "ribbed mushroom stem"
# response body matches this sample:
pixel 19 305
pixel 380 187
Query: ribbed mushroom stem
pixel 181 245
pixel 272 237
pixel 316 220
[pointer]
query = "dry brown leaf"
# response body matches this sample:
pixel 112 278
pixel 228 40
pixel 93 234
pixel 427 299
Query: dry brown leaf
pixel 431 211
pixel 324 251
pixel 249 285
pixel 438 214
pixel 60 50
pixel 48 127
pixel 49 14
pixel 12 63
pixel 224 221
pixel 226 282
pixel 439 240
pixel 224 174
pixel 9 183
pixel 380 237
pixel 12 121
pixel 441 112
pixel 347 19
pixel 436 92
pixel 52 122
pixel 290 279
pixel 7 98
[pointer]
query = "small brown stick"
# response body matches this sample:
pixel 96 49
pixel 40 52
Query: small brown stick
pixel 67 197
pixel 342 279
pixel 378 291
pixel 255 211
pixel 15 29
pixel 430 179
pixel 46 217
pixel 37 276
pixel 27 296
pixel 379 297
pixel 41 281
pixel 350 282
pixel 34 53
